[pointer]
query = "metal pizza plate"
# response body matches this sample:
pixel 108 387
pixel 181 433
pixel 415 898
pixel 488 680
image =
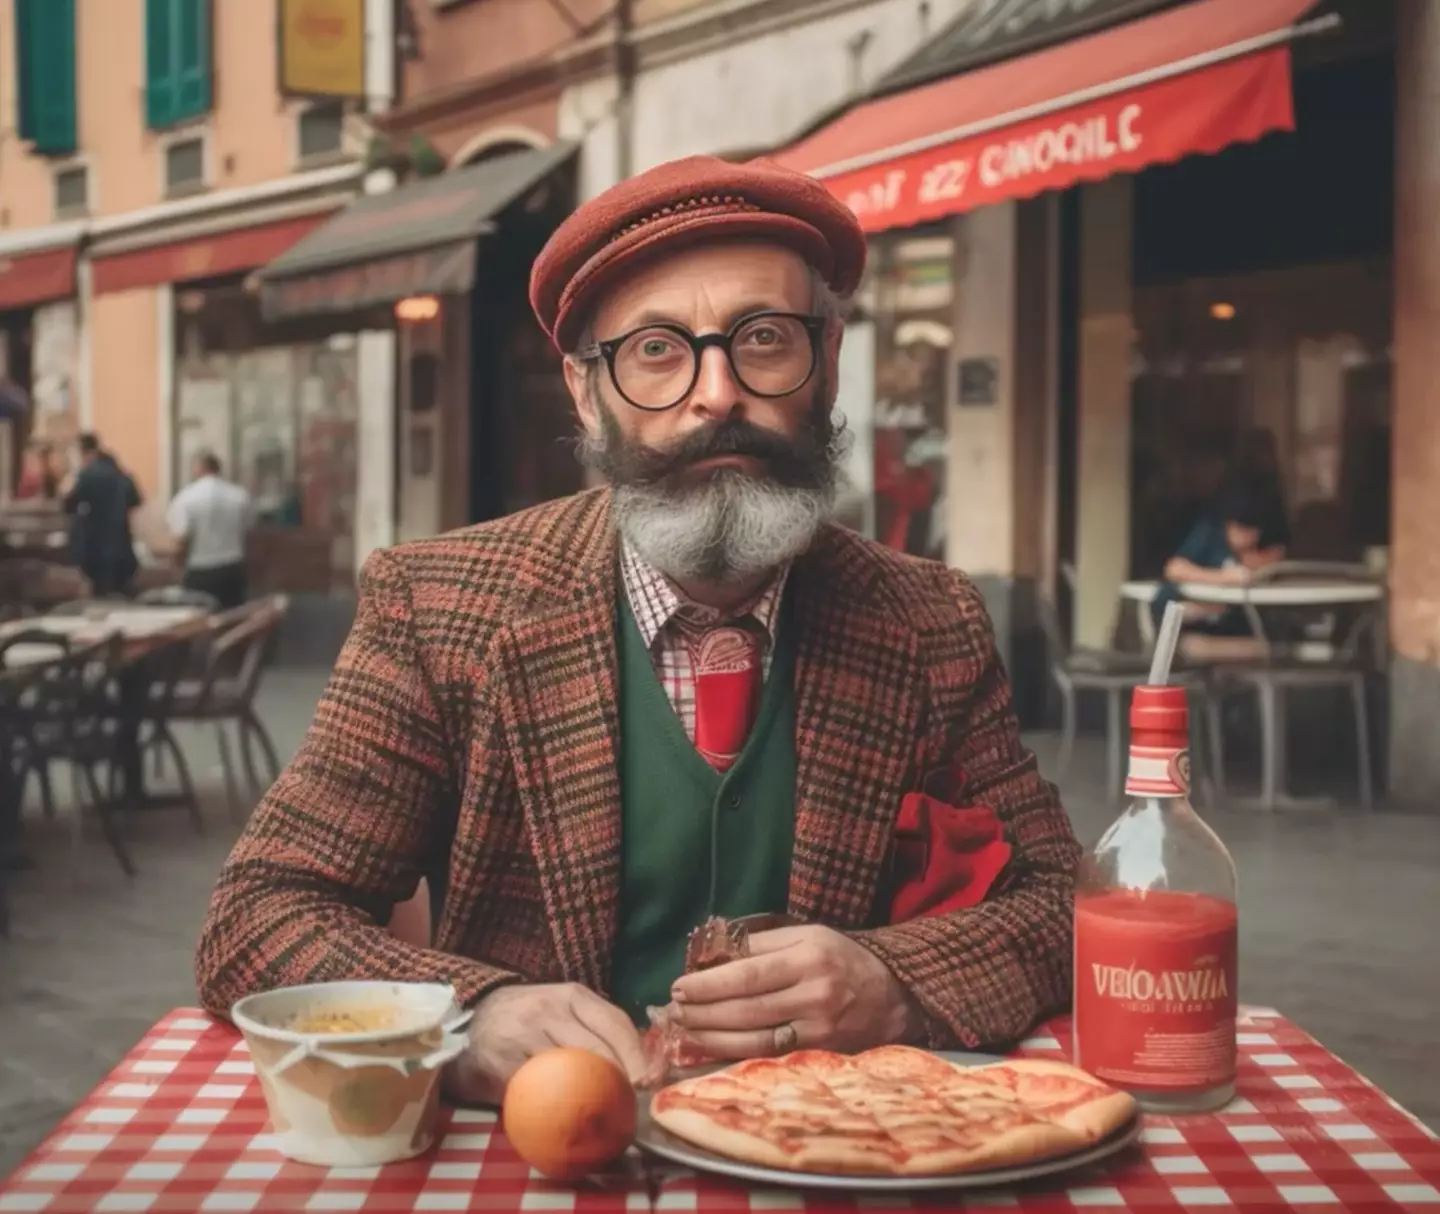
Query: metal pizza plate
pixel 650 1138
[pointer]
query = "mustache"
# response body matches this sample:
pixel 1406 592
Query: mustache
pixel 790 462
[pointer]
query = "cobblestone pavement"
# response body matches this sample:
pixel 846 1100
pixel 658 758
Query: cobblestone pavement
pixel 1338 920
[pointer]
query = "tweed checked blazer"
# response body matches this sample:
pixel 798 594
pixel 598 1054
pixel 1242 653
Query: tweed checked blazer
pixel 470 732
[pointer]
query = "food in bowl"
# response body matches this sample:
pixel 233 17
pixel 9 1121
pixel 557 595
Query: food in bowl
pixel 346 1020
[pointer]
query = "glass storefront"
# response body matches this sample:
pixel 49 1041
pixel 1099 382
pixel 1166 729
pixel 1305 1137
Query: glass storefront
pixel 908 297
pixel 1297 360
pixel 279 406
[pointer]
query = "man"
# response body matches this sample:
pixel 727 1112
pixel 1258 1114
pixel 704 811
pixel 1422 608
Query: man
pixel 601 720
pixel 101 500
pixel 210 517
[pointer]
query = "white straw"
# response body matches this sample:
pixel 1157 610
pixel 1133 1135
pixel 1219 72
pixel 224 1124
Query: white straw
pixel 1165 644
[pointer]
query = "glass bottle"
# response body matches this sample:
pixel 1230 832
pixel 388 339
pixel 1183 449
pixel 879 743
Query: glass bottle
pixel 1156 931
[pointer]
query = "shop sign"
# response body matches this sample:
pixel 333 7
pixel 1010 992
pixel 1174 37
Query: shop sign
pixel 979 381
pixel 322 48
pixel 1238 100
pixel 992 30
pixel 438 271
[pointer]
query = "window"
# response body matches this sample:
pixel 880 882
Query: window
pixel 45 74
pixel 72 192
pixel 185 166
pixel 322 130
pixel 178 75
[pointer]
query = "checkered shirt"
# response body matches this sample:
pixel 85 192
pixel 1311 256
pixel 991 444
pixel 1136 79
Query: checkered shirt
pixel 659 610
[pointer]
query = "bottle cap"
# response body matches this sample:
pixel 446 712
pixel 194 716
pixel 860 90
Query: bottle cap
pixel 1163 711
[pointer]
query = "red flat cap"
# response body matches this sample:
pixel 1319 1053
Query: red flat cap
pixel 687 202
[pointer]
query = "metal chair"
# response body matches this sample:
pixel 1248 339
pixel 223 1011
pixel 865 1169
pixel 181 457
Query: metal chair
pixel 1286 668
pixel 222 697
pixel 162 672
pixel 1112 673
pixel 69 711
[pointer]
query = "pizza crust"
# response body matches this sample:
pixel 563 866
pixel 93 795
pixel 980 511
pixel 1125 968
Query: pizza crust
pixel 892 1111
pixel 1104 1111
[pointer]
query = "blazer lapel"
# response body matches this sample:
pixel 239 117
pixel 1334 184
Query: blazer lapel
pixel 859 705
pixel 560 708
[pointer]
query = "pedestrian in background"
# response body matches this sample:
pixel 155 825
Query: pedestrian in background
pixel 101 500
pixel 211 517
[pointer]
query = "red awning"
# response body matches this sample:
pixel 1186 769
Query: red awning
pixel 34 278
pixel 202 257
pixel 1192 79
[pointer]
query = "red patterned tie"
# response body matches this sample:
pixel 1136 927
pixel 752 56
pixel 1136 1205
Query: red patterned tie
pixel 727 691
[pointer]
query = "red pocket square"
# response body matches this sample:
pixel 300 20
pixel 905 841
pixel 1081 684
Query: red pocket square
pixel 946 858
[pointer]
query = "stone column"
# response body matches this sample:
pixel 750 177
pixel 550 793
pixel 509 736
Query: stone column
pixel 1102 495
pixel 1415 529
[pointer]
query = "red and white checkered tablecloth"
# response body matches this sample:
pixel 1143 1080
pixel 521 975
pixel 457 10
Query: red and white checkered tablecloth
pixel 180 1125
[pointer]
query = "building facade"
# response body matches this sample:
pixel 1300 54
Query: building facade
pixel 1113 244
pixel 153 164
pixel 470 181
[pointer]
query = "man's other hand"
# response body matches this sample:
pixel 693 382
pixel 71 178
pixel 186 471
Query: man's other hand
pixel 514 1023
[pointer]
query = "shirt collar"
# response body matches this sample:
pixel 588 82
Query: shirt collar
pixel 655 601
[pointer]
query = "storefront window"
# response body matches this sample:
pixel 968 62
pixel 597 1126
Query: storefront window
pixel 1299 357
pixel 279 407
pixel 909 294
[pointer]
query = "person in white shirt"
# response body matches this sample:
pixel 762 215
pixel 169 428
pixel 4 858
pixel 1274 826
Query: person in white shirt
pixel 211 517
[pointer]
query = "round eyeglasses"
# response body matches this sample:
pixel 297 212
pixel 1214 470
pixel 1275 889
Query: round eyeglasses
pixel 657 366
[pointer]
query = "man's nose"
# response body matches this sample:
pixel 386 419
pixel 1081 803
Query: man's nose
pixel 717 393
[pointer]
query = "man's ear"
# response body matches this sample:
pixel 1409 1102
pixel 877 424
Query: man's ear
pixel 578 380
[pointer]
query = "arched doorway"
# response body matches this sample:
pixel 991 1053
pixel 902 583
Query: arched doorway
pixel 520 411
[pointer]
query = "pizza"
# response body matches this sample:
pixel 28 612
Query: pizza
pixel 892 1111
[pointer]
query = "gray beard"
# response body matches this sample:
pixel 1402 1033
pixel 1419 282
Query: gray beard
pixel 730 528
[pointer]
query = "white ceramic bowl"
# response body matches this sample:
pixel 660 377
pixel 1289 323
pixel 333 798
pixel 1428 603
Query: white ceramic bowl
pixel 352 1099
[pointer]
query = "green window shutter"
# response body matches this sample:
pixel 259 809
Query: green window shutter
pixel 159 63
pixel 178 76
pixel 45 74
pixel 192 60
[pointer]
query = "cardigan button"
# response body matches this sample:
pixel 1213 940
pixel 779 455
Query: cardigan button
pixel 733 801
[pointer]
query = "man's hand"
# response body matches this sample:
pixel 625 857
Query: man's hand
pixel 832 992
pixel 1235 575
pixel 515 1022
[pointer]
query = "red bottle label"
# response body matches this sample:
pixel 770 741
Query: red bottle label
pixel 1155 1002
pixel 1158 771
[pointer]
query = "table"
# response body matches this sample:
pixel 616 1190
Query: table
pixel 1296 593
pixel 143 630
pixel 1318 593
pixel 180 1125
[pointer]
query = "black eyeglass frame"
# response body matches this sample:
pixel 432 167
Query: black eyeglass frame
pixel 607 350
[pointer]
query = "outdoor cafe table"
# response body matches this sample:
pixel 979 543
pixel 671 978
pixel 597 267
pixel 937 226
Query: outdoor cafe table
pixel 143 630
pixel 180 1124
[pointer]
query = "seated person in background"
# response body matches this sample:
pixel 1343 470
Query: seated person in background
pixel 1255 473
pixel 1222 549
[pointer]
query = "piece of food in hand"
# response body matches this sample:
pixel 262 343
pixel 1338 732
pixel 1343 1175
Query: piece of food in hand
pixel 569 1112
pixel 715 942
pixel 891 1111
